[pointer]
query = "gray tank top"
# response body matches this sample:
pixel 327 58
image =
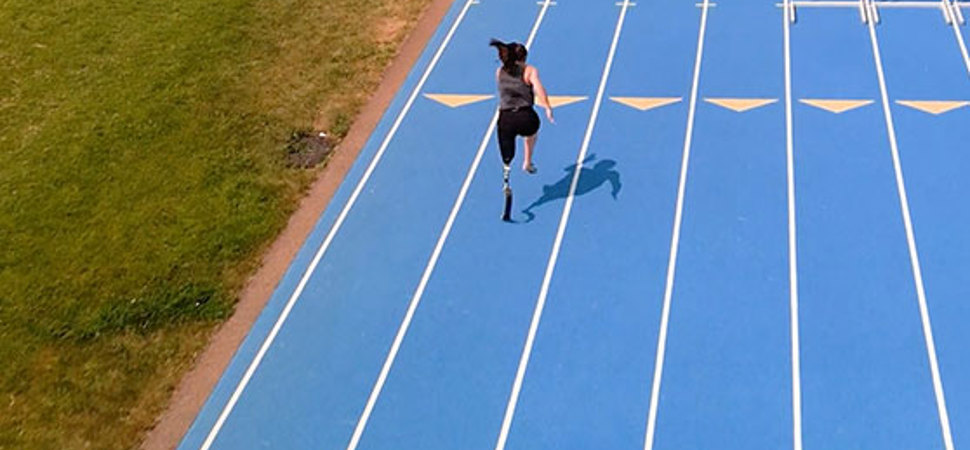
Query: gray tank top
pixel 513 91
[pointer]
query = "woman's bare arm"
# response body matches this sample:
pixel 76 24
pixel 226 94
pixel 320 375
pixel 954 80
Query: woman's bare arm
pixel 532 77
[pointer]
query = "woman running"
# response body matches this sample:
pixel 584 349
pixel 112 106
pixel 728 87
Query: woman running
pixel 518 84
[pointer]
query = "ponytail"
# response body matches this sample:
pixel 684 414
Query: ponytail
pixel 510 55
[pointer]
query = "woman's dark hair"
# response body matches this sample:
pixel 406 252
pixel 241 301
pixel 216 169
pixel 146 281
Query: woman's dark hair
pixel 511 54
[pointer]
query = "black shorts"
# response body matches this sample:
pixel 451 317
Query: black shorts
pixel 513 123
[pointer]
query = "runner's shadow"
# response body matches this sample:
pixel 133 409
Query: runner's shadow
pixel 590 178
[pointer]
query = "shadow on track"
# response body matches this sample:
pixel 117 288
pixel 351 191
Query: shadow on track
pixel 590 178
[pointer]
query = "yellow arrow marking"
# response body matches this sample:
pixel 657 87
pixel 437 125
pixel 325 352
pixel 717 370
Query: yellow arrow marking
pixel 835 106
pixel 933 107
pixel 456 100
pixel 741 104
pixel 563 100
pixel 645 103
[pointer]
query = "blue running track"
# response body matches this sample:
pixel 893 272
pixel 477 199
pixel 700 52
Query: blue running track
pixel 750 229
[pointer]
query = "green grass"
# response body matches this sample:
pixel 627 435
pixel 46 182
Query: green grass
pixel 142 151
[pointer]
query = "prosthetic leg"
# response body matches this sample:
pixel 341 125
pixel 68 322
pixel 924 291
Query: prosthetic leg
pixel 507 212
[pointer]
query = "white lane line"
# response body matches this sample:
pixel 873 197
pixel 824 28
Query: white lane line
pixel 675 239
pixel 913 255
pixel 796 376
pixel 550 267
pixel 333 231
pixel 956 31
pixel 432 262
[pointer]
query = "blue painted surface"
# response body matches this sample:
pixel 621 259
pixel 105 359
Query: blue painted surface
pixel 451 381
pixel 728 365
pixel 727 374
pixel 866 382
pixel 933 151
pixel 588 384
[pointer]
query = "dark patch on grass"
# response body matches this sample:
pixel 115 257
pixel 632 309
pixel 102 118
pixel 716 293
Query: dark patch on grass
pixel 306 149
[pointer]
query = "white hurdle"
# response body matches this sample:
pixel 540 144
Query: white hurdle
pixel 956 12
pixel 869 9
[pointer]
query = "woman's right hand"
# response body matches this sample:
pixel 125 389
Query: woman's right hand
pixel 552 120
